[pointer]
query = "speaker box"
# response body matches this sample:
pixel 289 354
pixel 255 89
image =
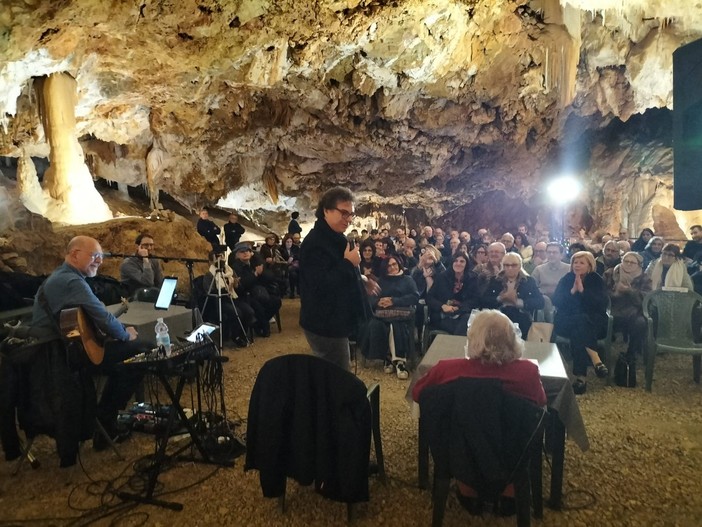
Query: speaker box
pixel 687 126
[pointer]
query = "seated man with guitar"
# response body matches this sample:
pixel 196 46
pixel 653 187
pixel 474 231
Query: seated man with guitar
pixel 67 288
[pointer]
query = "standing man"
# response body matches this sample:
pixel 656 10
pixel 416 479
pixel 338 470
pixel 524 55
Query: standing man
pixel 331 291
pixel 294 226
pixel 66 287
pixel 233 230
pixel 140 271
pixel 208 229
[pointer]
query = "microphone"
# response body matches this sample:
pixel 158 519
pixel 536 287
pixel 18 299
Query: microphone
pixel 352 241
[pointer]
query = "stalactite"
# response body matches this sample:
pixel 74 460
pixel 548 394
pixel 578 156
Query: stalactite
pixel 72 197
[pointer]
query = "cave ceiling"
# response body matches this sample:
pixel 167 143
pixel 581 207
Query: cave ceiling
pixel 420 104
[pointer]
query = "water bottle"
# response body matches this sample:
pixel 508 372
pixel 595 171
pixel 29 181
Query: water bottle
pixel 162 337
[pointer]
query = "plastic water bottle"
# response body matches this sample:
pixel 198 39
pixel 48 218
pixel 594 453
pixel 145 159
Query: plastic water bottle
pixel 162 337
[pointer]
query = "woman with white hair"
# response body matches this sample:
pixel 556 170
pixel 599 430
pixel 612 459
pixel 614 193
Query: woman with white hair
pixel 514 292
pixel 581 302
pixel 494 350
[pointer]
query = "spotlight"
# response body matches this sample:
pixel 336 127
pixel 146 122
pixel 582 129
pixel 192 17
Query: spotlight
pixel 563 190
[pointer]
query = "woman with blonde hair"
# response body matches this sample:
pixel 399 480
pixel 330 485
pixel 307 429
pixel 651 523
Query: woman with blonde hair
pixel 581 302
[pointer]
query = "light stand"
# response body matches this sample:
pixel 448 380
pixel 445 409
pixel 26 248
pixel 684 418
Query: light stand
pixel 214 291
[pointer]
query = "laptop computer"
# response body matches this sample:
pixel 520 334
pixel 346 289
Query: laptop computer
pixel 165 295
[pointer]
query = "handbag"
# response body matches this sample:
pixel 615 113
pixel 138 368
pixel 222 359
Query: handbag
pixel 540 332
pixel 625 371
pixel 395 313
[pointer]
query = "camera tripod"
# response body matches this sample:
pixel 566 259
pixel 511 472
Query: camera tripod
pixel 215 291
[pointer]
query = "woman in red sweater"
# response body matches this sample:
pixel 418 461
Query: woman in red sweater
pixel 493 350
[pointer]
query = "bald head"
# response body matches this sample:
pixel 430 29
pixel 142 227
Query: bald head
pixel 84 254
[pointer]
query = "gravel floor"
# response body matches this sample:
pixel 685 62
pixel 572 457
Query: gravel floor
pixel 643 469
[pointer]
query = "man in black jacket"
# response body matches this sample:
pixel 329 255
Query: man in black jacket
pixel 332 297
pixel 208 229
pixel 233 231
pixel 252 287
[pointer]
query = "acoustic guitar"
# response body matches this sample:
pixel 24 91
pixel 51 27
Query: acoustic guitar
pixel 76 326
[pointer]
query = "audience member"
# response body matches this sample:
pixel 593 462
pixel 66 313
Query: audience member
pixel 610 257
pixel 627 284
pixel 141 271
pixel 397 290
pixel 581 302
pixel 453 296
pixel 291 254
pixel 641 242
pixel 669 270
pixel 514 292
pixel 523 247
pixel 294 226
pixel 252 288
pixel 208 229
pixel 652 251
pixel 549 274
pixel 694 246
pixel 233 231
pixel 237 315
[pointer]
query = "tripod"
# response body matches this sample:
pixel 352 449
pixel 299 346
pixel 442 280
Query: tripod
pixel 215 291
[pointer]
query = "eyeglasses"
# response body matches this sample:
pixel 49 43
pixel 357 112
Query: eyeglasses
pixel 393 264
pixel 93 256
pixel 345 214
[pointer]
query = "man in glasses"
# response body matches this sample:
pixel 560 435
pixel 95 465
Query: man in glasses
pixel 141 271
pixel 67 287
pixel 332 293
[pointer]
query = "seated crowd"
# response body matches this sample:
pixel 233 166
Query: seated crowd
pixel 455 273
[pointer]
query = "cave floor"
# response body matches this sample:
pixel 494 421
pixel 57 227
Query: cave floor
pixel 642 468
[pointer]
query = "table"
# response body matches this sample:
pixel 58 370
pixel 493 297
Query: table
pixel 143 316
pixel 564 414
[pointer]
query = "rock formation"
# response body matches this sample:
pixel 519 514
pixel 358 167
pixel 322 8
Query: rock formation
pixel 433 109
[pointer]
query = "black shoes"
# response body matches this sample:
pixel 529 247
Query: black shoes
pixel 240 342
pixel 601 370
pixel 264 332
pixel 579 387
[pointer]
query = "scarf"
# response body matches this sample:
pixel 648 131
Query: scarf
pixel 673 277
pixel 624 277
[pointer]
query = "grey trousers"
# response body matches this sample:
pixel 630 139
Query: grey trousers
pixel 333 349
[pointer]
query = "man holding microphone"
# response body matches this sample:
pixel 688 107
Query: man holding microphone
pixel 332 290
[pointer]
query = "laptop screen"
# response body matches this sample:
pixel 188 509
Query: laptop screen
pixel 201 331
pixel 165 295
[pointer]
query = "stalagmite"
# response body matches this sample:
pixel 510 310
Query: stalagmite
pixel 70 195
